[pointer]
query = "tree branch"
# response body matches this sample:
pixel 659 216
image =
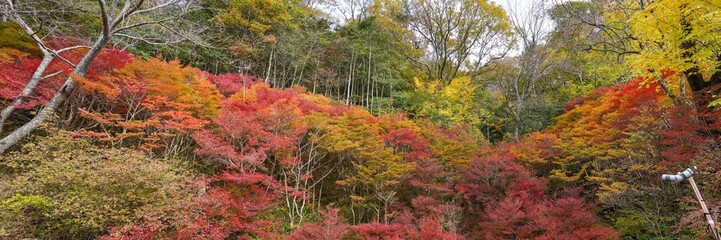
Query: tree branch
pixel 104 17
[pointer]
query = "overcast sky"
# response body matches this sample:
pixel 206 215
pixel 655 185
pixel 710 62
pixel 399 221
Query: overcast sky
pixel 514 4
pixel 522 4
pixel 519 6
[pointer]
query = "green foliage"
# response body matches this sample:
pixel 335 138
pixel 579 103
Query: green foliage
pixel 591 59
pixel 54 188
pixel 249 26
pixel 458 103
pixel 23 211
pixel 538 115
pixel 19 204
pixel 444 39
pixel 258 17
pixel 13 37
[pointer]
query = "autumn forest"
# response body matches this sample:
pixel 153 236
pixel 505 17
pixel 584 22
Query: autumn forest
pixel 359 119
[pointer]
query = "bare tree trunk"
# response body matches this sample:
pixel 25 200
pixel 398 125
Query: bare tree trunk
pixel 382 91
pixel 669 92
pixel 519 109
pixel 373 92
pixel 110 27
pixel 29 88
pixel 48 56
pixel 368 83
pixel 81 69
pixel 270 64
pixel 350 79
pixel 390 94
pixel 703 92
pixel 305 61
pixel 35 79
pixel 314 83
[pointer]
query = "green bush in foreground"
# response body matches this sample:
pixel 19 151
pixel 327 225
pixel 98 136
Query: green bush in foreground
pixel 55 188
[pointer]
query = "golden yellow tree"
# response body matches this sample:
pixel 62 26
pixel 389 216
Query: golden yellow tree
pixel 680 40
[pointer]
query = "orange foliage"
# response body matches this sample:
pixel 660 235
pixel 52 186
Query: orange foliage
pixel 150 101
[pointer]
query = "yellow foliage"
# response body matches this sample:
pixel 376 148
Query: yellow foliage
pixel 454 104
pixel 8 54
pixel 256 18
pixel 678 35
pixel 607 191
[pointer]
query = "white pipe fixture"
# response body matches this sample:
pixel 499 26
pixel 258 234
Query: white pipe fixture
pixel 678 177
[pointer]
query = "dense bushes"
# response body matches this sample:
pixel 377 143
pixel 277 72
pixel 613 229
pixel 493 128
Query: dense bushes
pixel 57 188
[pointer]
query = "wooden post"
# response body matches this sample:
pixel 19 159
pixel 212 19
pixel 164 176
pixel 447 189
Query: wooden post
pixel 706 213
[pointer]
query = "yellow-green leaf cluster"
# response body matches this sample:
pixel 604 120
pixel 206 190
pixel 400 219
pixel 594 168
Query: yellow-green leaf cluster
pixel 678 35
pixel 453 104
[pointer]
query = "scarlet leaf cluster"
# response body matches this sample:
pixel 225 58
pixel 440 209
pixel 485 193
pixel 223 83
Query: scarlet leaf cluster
pixel 17 71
